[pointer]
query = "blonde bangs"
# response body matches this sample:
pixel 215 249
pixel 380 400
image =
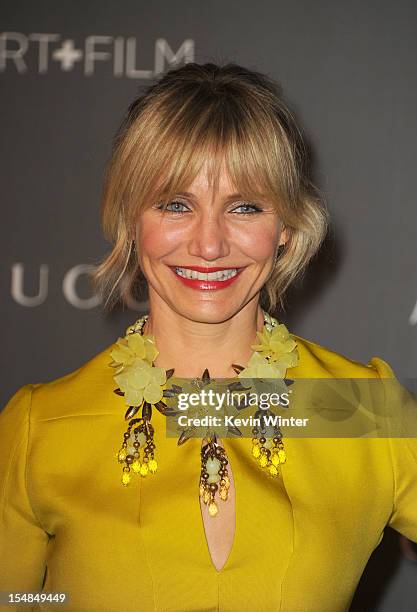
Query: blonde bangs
pixel 208 138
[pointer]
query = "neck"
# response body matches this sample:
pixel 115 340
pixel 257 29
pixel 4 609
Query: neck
pixel 190 347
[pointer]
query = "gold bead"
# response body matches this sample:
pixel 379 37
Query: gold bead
pixel 275 459
pixel 282 456
pixel 125 479
pixel 153 466
pixel 213 508
pixel 273 470
pixel 136 466
pixel 202 490
pixel 226 482
pixel 122 455
pixel 256 451
pixel 206 496
pixel 143 469
pixel 263 461
pixel 223 493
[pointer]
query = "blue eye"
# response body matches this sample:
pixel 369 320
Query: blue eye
pixel 177 207
pixel 246 208
pixel 173 207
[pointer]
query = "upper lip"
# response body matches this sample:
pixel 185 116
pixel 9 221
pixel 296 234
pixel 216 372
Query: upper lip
pixel 206 270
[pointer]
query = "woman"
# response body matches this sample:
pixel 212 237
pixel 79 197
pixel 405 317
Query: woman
pixel 207 196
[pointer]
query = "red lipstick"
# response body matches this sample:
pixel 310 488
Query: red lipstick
pixel 203 284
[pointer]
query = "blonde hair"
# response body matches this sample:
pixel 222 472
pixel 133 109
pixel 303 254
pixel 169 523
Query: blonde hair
pixel 204 114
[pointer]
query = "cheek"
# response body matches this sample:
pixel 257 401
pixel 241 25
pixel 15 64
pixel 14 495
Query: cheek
pixel 258 242
pixel 156 238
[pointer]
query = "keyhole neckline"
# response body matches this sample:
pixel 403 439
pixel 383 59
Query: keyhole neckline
pixel 235 529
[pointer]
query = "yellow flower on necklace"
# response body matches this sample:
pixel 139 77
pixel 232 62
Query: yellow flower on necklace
pixel 137 378
pixel 277 345
pixel 259 367
pixel 131 347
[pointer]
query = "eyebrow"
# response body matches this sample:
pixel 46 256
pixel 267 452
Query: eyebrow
pixel 188 194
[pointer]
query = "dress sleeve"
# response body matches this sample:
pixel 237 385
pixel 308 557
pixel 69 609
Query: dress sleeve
pixel 23 541
pixel 402 406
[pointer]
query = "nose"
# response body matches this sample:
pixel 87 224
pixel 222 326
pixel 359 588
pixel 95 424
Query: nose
pixel 209 239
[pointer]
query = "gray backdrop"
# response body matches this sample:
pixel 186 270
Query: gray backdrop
pixel 68 71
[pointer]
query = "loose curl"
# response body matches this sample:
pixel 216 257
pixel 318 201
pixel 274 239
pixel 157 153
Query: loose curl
pixel 209 114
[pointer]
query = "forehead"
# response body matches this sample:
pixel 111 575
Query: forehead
pixel 204 182
pixel 215 176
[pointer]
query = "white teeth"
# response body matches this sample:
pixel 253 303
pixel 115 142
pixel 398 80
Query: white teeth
pixel 221 275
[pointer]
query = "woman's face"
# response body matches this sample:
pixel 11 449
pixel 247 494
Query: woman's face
pixel 206 255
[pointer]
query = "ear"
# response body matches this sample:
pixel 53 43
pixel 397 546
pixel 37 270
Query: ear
pixel 284 237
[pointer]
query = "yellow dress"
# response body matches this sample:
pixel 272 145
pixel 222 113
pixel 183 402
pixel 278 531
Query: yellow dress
pixel 301 542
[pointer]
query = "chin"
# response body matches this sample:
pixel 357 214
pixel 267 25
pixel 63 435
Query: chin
pixel 210 311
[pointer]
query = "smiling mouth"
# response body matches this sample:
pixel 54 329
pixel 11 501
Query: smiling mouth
pixel 205 279
pixel 218 275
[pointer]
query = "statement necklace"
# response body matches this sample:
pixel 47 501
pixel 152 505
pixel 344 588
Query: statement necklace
pixel 144 387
